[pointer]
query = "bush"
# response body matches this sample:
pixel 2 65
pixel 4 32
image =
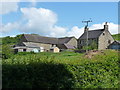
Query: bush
pixel 25 53
pixel 92 46
pixel 11 40
pixel 61 70
pixel 35 75
pixel 7 51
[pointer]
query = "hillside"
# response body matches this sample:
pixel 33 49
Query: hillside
pixel 116 37
pixel 11 40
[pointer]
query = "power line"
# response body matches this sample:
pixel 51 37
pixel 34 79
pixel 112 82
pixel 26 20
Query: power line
pixel 86 27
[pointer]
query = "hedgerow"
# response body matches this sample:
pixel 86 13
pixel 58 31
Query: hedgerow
pixel 61 70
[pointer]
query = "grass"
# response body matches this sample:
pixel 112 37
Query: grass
pixel 62 57
pixel 116 36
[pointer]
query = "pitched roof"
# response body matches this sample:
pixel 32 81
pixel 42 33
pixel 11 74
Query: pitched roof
pixel 40 39
pixel 65 46
pixel 31 44
pixel 92 34
pixel 64 40
pixel 46 40
pixel 61 46
pixel 116 41
pixel 20 47
pixel 69 46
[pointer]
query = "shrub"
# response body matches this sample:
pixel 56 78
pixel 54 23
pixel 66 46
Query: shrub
pixel 7 51
pixel 25 53
pixel 61 70
pixel 92 46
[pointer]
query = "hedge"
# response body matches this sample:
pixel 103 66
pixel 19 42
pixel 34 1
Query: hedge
pixel 42 71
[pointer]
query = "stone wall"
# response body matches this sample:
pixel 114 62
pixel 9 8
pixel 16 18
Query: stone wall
pixel 82 42
pixel 46 47
pixel 105 40
pixel 73 42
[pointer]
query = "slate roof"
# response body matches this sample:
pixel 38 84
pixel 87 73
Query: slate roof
pixel 46 40
pixel 61 46
pixel 69 46
pixel 116 41
pixel 31 44
pixel 40 39
pixel 92 34
pixel 20 47
pixel 64 40
pixel 65 46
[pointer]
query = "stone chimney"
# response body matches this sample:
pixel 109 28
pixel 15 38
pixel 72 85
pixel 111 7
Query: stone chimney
pixel 105 26
pixel 85 29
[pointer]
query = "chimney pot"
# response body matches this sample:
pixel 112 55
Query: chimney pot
pixel 105 26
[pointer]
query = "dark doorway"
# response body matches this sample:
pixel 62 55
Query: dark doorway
pixel 24 50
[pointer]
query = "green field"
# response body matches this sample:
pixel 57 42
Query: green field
pixel 61 70
pixel 116 36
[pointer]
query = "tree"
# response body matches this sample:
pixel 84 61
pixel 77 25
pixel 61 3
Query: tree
pixel 11 40
pixel 7 52
pixel 91 46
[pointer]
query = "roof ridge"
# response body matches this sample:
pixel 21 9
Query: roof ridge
pixel 39 35
pixel 44 39
pixel 66 37
pixel 96 30
pixel 49 37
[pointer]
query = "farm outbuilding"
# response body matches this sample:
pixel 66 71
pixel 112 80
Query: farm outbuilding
pixel 115 45
pixel 37 43
pixel 55 49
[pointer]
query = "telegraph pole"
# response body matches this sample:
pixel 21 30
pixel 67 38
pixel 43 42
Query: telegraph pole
pixel 87 32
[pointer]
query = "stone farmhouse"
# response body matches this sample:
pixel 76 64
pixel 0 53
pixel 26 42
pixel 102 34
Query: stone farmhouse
pixel 101 37
pixel 37 43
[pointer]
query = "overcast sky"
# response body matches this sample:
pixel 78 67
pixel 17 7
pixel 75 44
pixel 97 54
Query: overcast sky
pixel 56 19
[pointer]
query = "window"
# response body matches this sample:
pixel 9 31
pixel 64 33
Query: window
pixel 83 41
pixel 109 41
pixel 24 50
pixel 80 42
pixel 103 33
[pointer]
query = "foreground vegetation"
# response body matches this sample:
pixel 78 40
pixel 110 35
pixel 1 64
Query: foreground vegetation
pixel 61 70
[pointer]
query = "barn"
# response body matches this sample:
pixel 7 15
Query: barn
pixel 37 43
